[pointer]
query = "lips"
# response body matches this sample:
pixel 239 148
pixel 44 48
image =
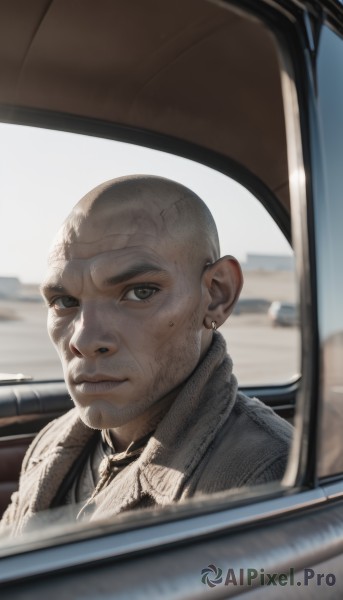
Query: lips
pixel 96 384
pixel 98 378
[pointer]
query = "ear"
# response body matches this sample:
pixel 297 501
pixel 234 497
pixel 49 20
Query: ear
pixel 223 280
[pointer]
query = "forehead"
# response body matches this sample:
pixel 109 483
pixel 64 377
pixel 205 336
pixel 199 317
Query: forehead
pixel 111 228
pixel 115 239
pixel 106 268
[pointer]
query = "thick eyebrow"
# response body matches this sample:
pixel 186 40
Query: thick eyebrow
pixel 50 288
pixel 132 272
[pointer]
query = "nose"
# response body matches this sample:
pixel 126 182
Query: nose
pixel 92 335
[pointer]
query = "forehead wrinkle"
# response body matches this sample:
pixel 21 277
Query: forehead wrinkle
pixel 105 220
pixel 67 251
pixel 159 214
pixel 125 259
pixel 101 220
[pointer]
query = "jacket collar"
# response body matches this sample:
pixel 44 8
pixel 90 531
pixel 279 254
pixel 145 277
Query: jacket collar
pixel 180 440
pixel 169 459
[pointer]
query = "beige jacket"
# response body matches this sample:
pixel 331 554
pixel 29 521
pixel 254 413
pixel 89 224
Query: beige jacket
pixel 213 438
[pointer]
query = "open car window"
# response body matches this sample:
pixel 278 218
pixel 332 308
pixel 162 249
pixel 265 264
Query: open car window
pixel 45 173
pixel 48 171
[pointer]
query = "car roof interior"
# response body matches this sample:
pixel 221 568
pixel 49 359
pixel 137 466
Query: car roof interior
pixel 195 71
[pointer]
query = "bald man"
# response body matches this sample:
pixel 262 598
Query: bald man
pixel 136 291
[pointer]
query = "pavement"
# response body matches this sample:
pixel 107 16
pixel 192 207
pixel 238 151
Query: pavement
pixel 262 354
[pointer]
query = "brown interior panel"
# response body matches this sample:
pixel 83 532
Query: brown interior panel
pixel 195 70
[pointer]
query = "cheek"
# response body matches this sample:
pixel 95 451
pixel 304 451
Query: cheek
pixel 57 331
pixel 164 337
pixel 153 325
pixel 179 328
pixel 177 357
pixel 51 326
pixel 184 313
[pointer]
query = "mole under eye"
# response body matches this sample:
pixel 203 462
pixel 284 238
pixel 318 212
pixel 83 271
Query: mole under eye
pixel 141 293
pixel 64 302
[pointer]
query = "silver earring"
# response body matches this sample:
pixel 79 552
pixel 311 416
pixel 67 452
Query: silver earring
pixel 214 325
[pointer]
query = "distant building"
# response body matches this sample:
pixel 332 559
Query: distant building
pixel 9 287
pixel 268 262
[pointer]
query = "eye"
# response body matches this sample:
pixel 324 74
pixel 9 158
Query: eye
pixel 141 293
pixel 64 302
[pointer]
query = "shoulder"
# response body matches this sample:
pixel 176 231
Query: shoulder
pixel 261 438
pixel 262 420
pixel 40 475
pixel 53 435
pixel 251 448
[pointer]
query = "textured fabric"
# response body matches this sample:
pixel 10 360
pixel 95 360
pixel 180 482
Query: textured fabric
pixel 213 438
pixel 84 483
pixel 101 466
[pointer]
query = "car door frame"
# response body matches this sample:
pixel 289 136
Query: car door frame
pixel 183 540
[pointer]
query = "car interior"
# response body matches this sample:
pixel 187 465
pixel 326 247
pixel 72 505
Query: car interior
pixel 197 79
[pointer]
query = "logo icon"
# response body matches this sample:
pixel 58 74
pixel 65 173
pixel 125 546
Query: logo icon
pixel 211 576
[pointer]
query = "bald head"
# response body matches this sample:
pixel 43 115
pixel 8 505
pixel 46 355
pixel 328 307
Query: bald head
pixel 133 288
pixel 126 206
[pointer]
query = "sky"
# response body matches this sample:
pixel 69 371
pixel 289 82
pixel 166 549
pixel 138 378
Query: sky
pixel 44 173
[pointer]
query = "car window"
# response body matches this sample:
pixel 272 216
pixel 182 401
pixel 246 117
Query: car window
pixel 329 211
pixel 232 118
pixel 46 172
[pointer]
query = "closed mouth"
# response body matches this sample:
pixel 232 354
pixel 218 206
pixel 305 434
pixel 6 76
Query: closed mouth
pixel 97 379
pixel 94 386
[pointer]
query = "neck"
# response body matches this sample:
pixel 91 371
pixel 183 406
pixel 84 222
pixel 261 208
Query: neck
pixel 124 435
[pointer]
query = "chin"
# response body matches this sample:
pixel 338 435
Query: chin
pixel 92 418
pixel 105 417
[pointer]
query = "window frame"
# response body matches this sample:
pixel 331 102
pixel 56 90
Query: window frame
pixel 305 492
